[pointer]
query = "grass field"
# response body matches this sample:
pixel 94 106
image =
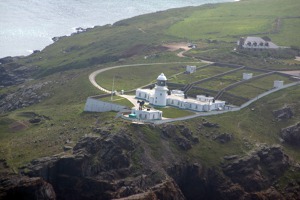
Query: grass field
pixel 253 88
pixel 226 80
pixel 200 74
pixel 136 76
pixel 172 112
pixel 118 100
pixel 227 22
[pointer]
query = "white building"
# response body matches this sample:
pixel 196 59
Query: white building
pixel 157 96
pixel 247 76
pixel 256 43
pixel 190 69
pixel 147 114
pixel 177 98
pixel 278 84
pixel 160 91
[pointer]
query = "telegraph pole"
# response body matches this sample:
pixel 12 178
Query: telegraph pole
pixel 112 89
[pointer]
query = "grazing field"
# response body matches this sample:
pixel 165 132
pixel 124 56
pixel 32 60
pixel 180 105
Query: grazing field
pixel 134 77
pixel 221 82
pixel 129 78
pixel 288 35
pixel 255 87
pixel 227 22
pixel 200 74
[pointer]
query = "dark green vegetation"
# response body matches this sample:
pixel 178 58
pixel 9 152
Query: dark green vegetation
pixel 215 28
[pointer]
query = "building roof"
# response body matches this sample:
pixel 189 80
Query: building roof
pixel 162 77
pixel 189 100
pixel 258 41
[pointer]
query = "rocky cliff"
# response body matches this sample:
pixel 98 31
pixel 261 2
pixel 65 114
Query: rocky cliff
pixel 118 166
pixel 291 134
pixel 22 187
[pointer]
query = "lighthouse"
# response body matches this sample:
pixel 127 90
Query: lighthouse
pixel 160 91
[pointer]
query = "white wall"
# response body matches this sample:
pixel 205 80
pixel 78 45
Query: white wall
pixel 278 84
pixel 247 76
pixel 95 105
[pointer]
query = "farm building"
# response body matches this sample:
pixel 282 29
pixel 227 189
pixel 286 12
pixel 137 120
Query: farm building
pixel 255 43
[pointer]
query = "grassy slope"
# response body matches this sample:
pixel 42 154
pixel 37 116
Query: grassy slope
pixel 107 44
pixel 230 21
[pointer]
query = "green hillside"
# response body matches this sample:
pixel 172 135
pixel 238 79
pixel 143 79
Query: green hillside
pixel 228 22
pixel 214 28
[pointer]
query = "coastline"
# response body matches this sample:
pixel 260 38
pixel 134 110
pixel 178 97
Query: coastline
pixel 46 41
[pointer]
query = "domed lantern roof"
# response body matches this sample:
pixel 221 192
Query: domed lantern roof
pixel 162 77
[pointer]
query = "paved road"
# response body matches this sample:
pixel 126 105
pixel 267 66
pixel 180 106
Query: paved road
pixel 95 73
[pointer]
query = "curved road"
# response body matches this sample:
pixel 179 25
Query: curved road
pixel 133 101
pixel 95 73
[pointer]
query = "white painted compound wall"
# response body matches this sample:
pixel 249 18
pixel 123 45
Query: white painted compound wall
pixel 95 105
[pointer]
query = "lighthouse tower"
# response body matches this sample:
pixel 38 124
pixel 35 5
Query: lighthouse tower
pixel 160 91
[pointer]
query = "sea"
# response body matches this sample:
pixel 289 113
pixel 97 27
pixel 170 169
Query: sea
pixel 27 25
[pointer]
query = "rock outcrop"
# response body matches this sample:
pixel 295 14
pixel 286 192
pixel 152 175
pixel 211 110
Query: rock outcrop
pixel 224 137
pixel 249 177
pixel 13 73
pixel 181 135
pixel 257 171
pixel 23 97
pixel 102 168
pixel 283 113
pixel 120 166
pixel 291 134
pixel 22 187
pixel 167 190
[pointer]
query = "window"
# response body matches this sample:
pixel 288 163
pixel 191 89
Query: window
pixel 139 94
pixel 160 94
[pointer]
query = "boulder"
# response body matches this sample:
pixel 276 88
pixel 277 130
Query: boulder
pixel 187 133
pixel 210 125
pixel 35 120
pixel 224 137
pixel 183 143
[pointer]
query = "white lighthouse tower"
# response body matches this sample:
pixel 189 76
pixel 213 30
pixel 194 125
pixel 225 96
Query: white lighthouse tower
pixel 160 91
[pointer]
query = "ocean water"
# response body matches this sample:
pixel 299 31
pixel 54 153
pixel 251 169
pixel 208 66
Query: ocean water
pixel 27 25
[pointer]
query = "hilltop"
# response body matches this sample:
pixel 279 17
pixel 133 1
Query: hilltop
pixel 44 131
